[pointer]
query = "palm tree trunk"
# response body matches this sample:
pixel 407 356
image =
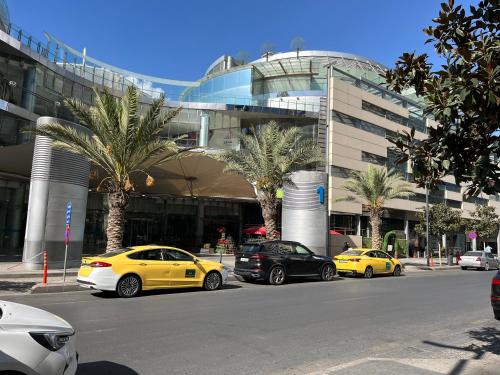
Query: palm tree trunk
pixel 375 224
pixel 269 207
pixel 117 202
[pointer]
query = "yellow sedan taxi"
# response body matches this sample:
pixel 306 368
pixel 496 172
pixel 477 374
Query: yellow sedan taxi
pixel 130 270
pixel 366 262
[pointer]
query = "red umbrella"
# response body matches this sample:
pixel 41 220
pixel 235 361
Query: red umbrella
pixel 334 232
pixel 255 230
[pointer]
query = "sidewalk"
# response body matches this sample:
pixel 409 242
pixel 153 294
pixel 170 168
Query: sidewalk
pixel 420 264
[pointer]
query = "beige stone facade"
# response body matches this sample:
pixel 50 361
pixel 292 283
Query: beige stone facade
pixel 359 121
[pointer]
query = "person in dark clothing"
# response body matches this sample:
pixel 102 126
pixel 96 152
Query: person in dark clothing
pixel 345 247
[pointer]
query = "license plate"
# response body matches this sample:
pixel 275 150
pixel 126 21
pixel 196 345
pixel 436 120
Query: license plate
pixel 343 261
pixel 243 259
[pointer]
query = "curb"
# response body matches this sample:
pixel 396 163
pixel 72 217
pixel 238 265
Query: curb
pixel 55 288
pixel 33 275
pixel 413 268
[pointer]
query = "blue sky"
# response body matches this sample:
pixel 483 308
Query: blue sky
pixel 179 39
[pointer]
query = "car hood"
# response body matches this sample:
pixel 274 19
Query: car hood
pixel 18 317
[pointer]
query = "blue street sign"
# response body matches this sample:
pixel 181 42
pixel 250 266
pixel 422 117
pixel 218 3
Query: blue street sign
pixel 321 194
pixel 69 206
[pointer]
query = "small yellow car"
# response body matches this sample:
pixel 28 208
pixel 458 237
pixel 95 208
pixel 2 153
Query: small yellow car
pixel 367 262
pixel 130 270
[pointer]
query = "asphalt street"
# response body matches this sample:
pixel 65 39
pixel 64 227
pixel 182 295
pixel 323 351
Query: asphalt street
pixel 421 323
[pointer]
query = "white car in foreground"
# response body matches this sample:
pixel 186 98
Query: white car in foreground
pixel 35 342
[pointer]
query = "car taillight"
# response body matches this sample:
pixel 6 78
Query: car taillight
pixel 100 264
pixel 258 256
pixel 478 259
pixel 354 260
pixel 495 282
pixel 335 258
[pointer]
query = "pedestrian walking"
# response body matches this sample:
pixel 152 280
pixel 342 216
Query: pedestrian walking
pixel 345 247
pixel 487 249
pixel 457 255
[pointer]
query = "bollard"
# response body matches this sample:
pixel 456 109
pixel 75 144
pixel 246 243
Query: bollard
pixel 44 281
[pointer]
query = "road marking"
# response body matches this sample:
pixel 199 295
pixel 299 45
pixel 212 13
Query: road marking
pixel 96 331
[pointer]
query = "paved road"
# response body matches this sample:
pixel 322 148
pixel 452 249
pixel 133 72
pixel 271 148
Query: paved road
pixel 387 325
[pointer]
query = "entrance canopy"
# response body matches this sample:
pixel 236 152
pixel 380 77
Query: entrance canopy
pixel 195 174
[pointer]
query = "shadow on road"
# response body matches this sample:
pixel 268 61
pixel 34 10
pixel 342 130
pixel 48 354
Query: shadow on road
pixel 15 286
pixel 104 367
pixel 487 341
pixel 157 292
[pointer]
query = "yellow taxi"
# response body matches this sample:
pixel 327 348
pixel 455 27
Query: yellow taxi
pixel 366 262
pixel 130 270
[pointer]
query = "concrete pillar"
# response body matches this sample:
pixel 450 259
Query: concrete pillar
pixel 304 210
pixel 358 225
pixel 474 244
pixel 407 229
pixel 204 123
pixel 57 177
pixel 15 216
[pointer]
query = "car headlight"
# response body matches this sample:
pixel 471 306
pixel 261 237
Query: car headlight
pixel 52 341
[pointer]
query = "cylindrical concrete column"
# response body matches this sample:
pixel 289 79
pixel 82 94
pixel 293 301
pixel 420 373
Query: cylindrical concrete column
pixel 57 177
pixel 304 210
pixel 204 123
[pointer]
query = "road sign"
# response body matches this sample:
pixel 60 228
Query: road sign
pixel 472 235
pixel 321 194
pixel 69 206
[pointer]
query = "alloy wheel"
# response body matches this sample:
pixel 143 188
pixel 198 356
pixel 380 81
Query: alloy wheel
pixel 397 271
pixel 368 272
pixel 328 273
pixel 129 286
pixel 213 281
pixel 277 276
pixel 487 267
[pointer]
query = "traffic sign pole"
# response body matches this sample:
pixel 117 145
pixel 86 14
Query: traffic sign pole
pixel 69 206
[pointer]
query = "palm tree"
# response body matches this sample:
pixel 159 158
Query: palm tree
pixel 265 160
pixel 124 144
pixel 373 188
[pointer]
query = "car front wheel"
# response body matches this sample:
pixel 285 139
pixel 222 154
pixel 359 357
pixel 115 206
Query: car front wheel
pixel 327 272
pixel 397 271
pixel 129 286
pixel 213 281
pixel 487 267
pixel 277 276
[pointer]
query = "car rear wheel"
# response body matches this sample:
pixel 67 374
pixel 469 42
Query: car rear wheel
pixel 213 281
pixel 129 286
pixel 328 272
pixel 397 271
pixel 368 272
pixel 497 314
pixel 277 276
pixel 487 267
pixel 464 268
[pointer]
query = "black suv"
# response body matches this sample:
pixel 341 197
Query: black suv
pixel 274 261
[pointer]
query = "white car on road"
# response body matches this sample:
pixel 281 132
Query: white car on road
pixel 35 342
pixel 479 259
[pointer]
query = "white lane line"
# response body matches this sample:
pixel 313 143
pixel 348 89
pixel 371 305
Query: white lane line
pixel 94 331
